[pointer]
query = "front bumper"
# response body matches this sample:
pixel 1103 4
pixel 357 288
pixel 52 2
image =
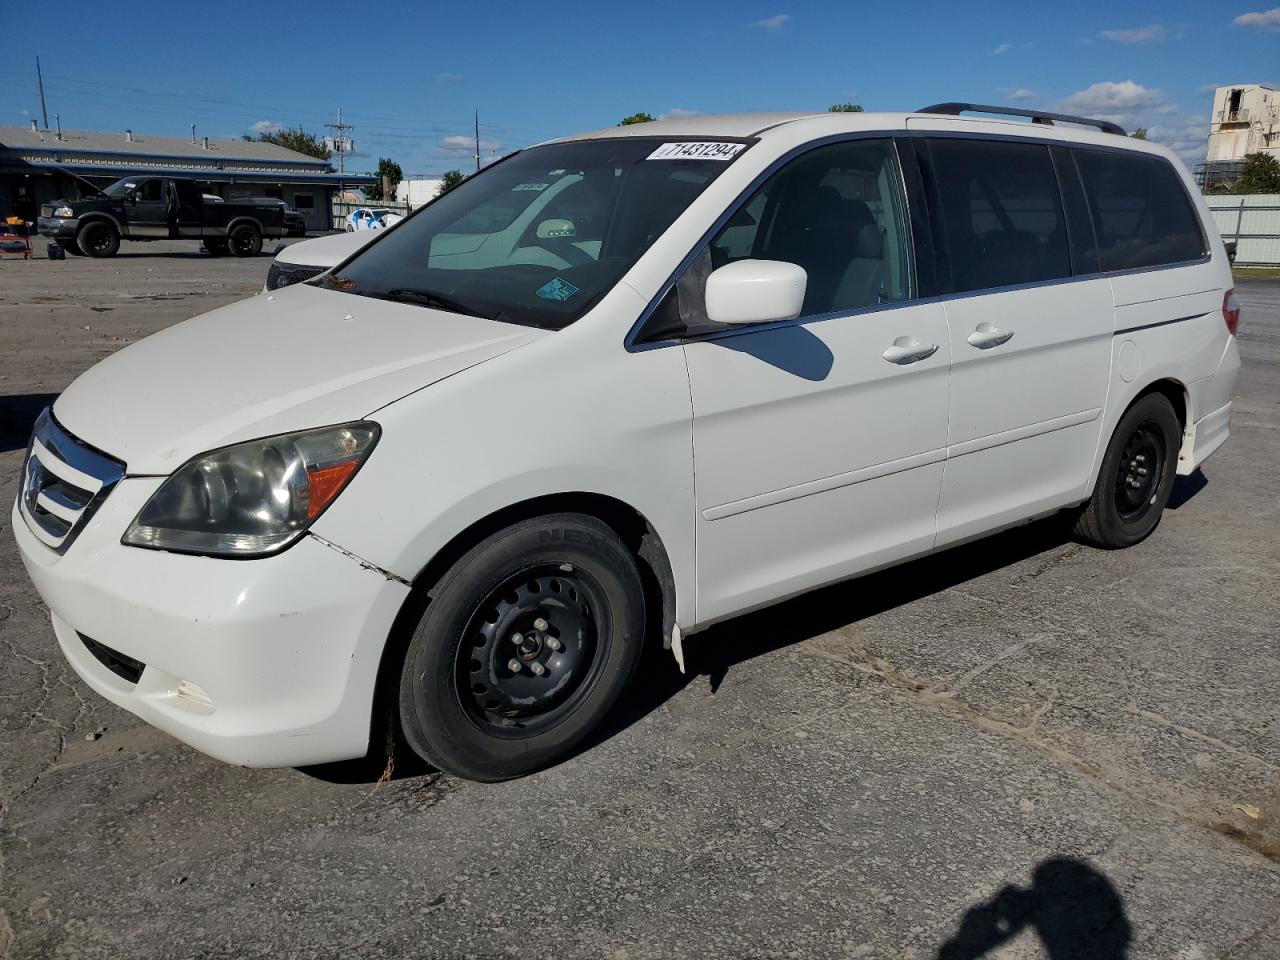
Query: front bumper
pixel 59 228
pixel 286 648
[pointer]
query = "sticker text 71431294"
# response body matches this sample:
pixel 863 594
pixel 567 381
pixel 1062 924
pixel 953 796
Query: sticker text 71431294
pixel 697 150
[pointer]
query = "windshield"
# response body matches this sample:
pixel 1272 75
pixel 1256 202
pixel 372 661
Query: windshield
pixel 539 238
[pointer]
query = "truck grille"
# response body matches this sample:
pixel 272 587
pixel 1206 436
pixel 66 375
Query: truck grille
pixel 63 483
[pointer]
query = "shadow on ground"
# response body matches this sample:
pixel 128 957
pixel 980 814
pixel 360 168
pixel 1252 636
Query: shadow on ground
pixel 18 415
pixel 1073 908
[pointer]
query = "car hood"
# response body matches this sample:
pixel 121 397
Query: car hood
pixel 324 251
pixel 298 358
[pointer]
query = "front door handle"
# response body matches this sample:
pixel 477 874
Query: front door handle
pixel 909 350
pixel 988 335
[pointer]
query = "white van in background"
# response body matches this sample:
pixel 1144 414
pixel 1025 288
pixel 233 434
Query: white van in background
pixel 613 389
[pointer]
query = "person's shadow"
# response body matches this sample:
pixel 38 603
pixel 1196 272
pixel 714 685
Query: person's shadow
pixel 1073 908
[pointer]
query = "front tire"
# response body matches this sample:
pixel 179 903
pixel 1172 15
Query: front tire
pixel 525 645
pixel 98 239
pixel 1136 477
pixel 245 240
pixel 71 247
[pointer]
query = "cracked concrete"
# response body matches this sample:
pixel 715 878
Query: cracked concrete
pixel 869 771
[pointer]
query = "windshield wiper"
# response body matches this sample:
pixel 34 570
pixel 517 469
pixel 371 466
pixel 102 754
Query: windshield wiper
pixel 427 299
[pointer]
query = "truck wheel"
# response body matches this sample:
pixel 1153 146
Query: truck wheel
pixel 217 246
pixel 245 240
pixel 71 247
pixel 98 239
pixel 524 646
pixel 1136 477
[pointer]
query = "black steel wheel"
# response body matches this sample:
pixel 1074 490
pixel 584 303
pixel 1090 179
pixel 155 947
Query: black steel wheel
pixel 244 240
pixel 525 644
pixel 98 239
pixel 539 641
pixel 1136 477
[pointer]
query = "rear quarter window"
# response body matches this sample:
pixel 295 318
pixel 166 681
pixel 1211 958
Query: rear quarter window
pixel 1142 216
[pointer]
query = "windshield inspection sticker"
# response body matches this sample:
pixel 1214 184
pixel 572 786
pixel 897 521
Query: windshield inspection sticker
pixel 535 187
pixel 697 150
pixel 557 289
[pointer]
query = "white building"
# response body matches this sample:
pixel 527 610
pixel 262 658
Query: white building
pixel 417 192
pixel 1245 120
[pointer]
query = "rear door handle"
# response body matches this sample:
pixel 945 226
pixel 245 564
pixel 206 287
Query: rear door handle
pixel 909 350
pixel 988 335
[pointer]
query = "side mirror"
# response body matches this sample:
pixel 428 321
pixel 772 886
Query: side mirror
pixel 756 291
pixel 555 229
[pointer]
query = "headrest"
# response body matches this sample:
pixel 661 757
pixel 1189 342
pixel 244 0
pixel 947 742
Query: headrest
pixel 870 243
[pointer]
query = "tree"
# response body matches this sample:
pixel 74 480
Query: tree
pixel 635 118
pixel 845 108
pixel 1139 134
pixel 1261 174
pixel 391 170
pixel 450 180
pixel 298 140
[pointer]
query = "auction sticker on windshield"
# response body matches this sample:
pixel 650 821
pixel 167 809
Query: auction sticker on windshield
pixel 697 150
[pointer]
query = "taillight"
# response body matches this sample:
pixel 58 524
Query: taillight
pixel 1231 311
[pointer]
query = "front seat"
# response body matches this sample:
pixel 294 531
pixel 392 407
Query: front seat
pixel 864 279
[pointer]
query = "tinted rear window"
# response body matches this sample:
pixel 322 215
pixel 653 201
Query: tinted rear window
pixel 1141 214
pixel 1001 213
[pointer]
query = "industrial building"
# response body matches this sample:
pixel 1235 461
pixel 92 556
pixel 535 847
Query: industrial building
pixel 1245 120
pixel 37 166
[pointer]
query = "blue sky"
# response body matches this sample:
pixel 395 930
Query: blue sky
pixel 410 76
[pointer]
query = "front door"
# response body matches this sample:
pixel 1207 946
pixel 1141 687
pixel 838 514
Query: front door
pixel 1030 344
pixel 819 443
pixel 147 208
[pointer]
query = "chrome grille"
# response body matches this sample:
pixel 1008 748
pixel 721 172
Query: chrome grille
pixel 63 483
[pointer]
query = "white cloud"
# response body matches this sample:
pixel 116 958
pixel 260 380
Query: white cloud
pixel 675 113
pixel 1132 106
pixel 25 113
pixel 1151 33
pixel 1268 21
pixel 771 24
pixel 1125 103
pixel 1017 94
pixel 449 78
pixel 266 126
pixel 464 147
pixel 1187 137
pixel 1003 48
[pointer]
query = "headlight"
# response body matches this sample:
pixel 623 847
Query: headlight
pixel 253 498
pixel 64 212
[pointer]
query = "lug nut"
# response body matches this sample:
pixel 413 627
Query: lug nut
pixel 513 665
pixel 553 643
pixel 517 638
pixel 537 669
pixel 540 624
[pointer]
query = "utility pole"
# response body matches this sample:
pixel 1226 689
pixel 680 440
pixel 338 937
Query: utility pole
pixel 477 141
pixel 340 145
pixel 44 114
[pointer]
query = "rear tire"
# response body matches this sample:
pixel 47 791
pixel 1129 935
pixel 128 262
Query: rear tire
pixel 245 240
pixel 98 239
pixel 560 597
pixel 1136 477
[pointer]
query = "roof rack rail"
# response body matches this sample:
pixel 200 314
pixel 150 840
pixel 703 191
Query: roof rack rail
pixel 1037 116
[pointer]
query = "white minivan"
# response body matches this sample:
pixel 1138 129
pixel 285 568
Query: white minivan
pixel 466 473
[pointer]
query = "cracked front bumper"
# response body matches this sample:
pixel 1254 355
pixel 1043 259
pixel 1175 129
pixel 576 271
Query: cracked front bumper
pixel 262 663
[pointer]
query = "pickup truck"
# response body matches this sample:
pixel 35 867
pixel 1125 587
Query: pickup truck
pixel 157 208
